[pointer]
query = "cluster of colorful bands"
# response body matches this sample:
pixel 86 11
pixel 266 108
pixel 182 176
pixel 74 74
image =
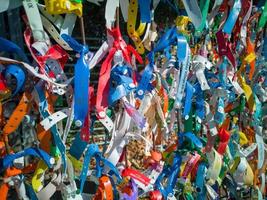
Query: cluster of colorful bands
pixel 184 110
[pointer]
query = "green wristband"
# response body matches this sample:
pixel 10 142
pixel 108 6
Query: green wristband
pixel 188 123
pixel 54 151
pixel 263 17
pixel 188 196
pixel 204 6
pixel 171 104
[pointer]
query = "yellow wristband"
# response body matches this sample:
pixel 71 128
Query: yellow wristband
pixel 181 23
pixel 250 57
pixel 63 6
pixel 248 175
pixel 248 93
pixel 135 35
pixel 37 179
pixel 242 138
pixel 215 161
pixel 76 163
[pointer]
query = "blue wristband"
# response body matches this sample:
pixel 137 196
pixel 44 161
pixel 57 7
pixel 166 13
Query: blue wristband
pixel 121 83
pixel 188 99
pixel 191 137
pixel 81 80
pixel 146 77
pixel 171 173
pixel 144 6
pixel 43 108
pixel 18 73
pixel 7 161
pixel 166 40
pixel 200 181
pixel 8 46
pixel 183 55
pixel 77 147
pixel 92 149
pixel 200 109
pixel 223 71
pixel 231 20
pixel 30 192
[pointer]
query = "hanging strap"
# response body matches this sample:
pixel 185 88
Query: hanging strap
pixel 131 24
pixel 81 81
pixel 193 12
pixel 35 21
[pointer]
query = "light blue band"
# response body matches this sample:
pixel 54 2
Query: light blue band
pixel 183 55
pixel 220 114
pixel 200 181
pixel 231 20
